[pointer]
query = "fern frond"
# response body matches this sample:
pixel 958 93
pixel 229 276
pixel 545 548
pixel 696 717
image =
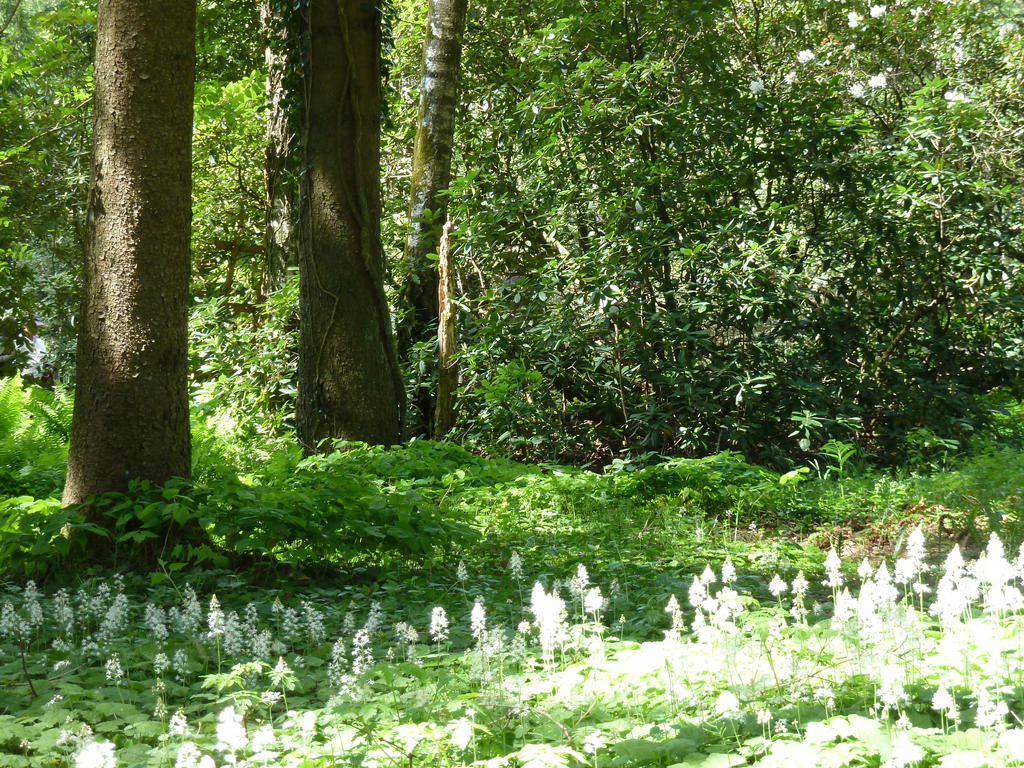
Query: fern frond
pixel 12 406
pixel 51 413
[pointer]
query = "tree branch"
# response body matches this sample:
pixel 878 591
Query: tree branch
pixel 10 17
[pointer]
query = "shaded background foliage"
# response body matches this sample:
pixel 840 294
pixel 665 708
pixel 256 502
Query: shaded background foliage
pixel 688 240
pixel 675 232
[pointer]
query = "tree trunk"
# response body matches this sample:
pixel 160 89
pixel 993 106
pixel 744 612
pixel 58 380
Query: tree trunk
pixel 431 172
pixel 131 393
pixel 349 382
pixel 279 177
pixel 447 363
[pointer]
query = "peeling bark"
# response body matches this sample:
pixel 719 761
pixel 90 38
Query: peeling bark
pixel 447 339
pixel 431 173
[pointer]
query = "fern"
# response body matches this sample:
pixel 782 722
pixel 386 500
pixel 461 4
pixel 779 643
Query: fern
pixel 12 403
pixel 51 413
pixel 34 427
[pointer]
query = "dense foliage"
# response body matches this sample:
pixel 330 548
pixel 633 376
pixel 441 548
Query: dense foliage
pixel 758 225
pixel 680 227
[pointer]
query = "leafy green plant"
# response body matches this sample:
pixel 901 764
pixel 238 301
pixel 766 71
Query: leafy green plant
pixel 34 427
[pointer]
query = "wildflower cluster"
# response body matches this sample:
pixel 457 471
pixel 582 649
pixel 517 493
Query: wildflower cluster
pixel 892 645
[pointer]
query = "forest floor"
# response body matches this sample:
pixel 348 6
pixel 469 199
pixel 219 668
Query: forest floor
pixel 696 613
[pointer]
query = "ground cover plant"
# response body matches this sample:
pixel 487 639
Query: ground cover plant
pixel 389 619
pixel 423 605
pixel 879 663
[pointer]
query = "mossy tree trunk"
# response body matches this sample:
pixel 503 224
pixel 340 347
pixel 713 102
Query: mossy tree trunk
pixel 431 173
pixel 349 382
pixel 131 417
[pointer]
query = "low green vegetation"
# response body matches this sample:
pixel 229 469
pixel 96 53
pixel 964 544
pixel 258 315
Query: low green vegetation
pixel 508 662
pixel 425 606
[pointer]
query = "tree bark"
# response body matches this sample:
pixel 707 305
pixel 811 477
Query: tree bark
pixel 349 381
pixel 131 416
pixel 279 178
pixel 447 338
pixel 431 173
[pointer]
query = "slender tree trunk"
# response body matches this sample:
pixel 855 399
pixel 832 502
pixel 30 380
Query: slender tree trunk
pixel 447 363
pixel 349 382
pixel 131 391
pixel 431 172
pixel 279 177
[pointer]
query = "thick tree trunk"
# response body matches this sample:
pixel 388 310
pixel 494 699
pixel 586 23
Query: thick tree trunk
pixel 279 177
pixel 431 172
pixel 349 382
pixel 131 393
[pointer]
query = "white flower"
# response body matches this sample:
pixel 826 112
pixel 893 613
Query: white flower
pixel 727 704
pixel 580 581
pixel 911 565
pixel 156 622
pixel 877 81
pixel 478 619
pixel 877 11
pixel 592 601
pixel 263 738
pixel 942 700
pixel 461 573
pixel 215 618
pixel 515 566
pixel 96 754
pixel 114 670
pixel 864 570
pixel 844 609
pixel 890 690
pixel 904 751
pixel 549 616
pixel 777 585
pixel 707 576
pixel 854 19
pixel 728 571
pixel 805 55
pixel 955 96
pixel 161 663
pixel 991 712
pixel 179 724
pixel 188 756
pixel 593 742
pixel 307 722
pixel 231 735
pixel 800 584
pixel 462 733
pixel 180 663
pixel 756 86
pixel 833 569
pixel 438 625
pixel 698 593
